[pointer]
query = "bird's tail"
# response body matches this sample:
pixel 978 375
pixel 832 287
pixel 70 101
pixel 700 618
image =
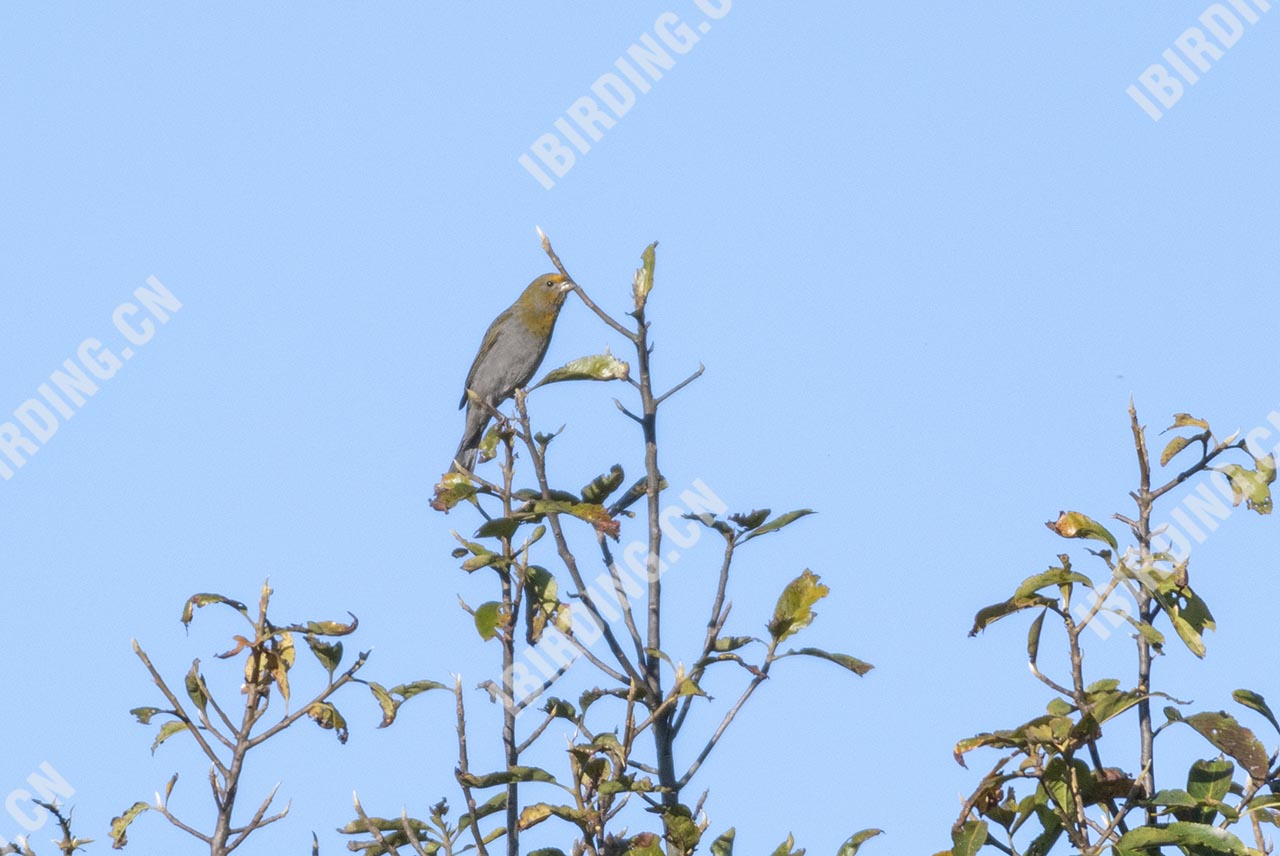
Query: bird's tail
pixel 472 434
pixel 464 456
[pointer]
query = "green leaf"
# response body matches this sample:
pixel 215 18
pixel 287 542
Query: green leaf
pixel 723 846
pixel 1267 468
pixel 1262 801
pixel 632 494
pixel 709 520
pixel 724 644
pixel 1153 636
pixel 328 653
pixel 119 825
pixel 853 664
pixel 505 777
pixel 1232 739
pixel 530 495
pixel 643 282
pixel 1073 524
pixel 203 599
pixel 751 519
pixel 493 805
pixel 597 515
pixel 784 849
pixel 1199 838
pixel 602 486
pixel 645 844
pixel 385 701
pixel 327 717
pixel 333 628
pixel 969 839
pixel 1051 577
pixel 1110 704
pixel 488 448
pixel 794 610
pixel 542 588
pixel 688 687
pixel 195 687
pixel 1188 613
pixel 488 616
pixel 409 690
pixel 1039 730
pixel 680 830
pixel 453 488
pixel 1250 486
pixel 390 704
pixel 850 847
pixel 392 824
pixel 1175 798
pixel 1059 707
pixel 626 784
pixel 560 709
pixel 1033 636
pixel 166 731
pixel 776 523
pixel 535 813
pixel 989 615
pixel 1255 702
pixel 144 714
pixel 601 367
pixel 482 560
pixel 1210 781
pixel 498 527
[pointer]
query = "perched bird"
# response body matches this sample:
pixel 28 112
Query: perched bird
pixel 511 352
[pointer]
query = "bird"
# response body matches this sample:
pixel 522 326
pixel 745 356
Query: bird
pixel 510 353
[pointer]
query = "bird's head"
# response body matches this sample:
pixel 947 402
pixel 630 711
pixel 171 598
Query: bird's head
pixel 546 293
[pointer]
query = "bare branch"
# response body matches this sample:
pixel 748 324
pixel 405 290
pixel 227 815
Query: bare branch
pixel 604 316
pixel 464 768
pixel 681 385
pixel 178 709
pixel 627 412
pixel 724 725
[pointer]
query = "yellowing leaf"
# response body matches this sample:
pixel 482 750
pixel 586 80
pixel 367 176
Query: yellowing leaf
pixel 598 367
pixel 1073 524
pixel 1176 445
pixel 1185 420
pixel 794 610
pixel 488 616
pixel 120 824
pixel 643 283
pixel 328 718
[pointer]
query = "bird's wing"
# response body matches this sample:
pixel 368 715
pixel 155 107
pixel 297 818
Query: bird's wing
pixel 491 337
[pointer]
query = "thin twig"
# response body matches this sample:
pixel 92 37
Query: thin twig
pixel 464 768
pixel 624 600
pixel 178 709
pixel 681 385
pixel 724 725
pixel 604 316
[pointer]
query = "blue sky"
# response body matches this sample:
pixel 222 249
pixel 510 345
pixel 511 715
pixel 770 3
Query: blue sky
pixel 926 255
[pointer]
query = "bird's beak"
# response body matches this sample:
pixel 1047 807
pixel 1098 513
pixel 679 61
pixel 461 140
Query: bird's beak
pixel 567 285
